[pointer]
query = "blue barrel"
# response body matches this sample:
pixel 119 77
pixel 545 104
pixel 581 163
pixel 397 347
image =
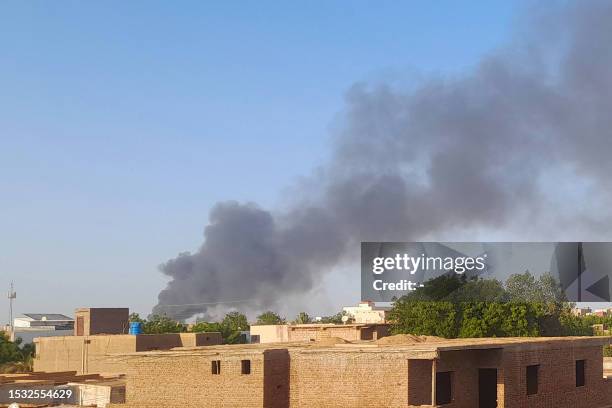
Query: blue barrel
pixel 135 328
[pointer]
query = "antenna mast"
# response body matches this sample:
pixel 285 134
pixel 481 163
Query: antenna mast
pixel 11 296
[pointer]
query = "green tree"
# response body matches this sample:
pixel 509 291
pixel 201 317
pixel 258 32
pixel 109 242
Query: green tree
pixel 135 317
pixel 441 288
pixel 235 321
pixel 231 326
pixel 158 324
pixel 15 357
pixel 498 319
pixel 206 327
pixel 479 290
pixel 454 306
pixel 422 317
pixel 270 317
pixel 302 318
pixel 524 287
pixel 9 350
pixel 335 319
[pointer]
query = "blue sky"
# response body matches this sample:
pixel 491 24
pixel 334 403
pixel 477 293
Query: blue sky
pixel 122 123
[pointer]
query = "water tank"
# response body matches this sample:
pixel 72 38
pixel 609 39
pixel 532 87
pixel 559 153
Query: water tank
pixel 135 328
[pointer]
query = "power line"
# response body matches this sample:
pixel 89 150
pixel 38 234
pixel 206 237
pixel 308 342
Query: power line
pixel 210 303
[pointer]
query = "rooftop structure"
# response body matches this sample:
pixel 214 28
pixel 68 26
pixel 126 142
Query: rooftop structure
pixel 367 312
pixel 311 332
pixel 90 321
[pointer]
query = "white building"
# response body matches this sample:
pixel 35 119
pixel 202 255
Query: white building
pixel 58 321
pixel 582 311
pixel 31 325
pixel 367 312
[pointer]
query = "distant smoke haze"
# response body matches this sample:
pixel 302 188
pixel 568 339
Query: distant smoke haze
pixel 520 144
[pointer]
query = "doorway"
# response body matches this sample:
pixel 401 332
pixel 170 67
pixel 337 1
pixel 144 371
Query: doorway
pixel 487 388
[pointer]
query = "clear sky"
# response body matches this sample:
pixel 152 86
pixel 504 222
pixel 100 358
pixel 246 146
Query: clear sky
pixel 122 123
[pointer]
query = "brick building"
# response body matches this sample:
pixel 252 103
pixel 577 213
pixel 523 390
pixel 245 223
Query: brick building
pixel 466 373
pixel 101 320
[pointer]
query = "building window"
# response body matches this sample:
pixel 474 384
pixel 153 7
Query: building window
pixel 444 387
pixel 580 377
pixel 255 338
pixel 532 379
pixel 246 366
pixel 216 367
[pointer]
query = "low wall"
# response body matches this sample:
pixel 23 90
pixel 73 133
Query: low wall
pixel 607 364
pixel 315 332
pixel 87 354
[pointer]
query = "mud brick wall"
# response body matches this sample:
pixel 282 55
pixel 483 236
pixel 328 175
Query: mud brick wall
pixel 419 382
pixel 348 379
pixel 464 366
pixel 83 354
pixel 276 378
pixel 108 321
pixel 89 354
pixel 200 339
pixel 186 380
pixel 557 382
pixel 350 333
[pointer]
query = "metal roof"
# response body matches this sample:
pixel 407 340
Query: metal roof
pixel 48 317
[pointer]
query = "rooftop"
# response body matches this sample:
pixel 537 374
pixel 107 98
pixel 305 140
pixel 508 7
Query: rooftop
pixel 333 325
pixel 424 347
pixel 48 317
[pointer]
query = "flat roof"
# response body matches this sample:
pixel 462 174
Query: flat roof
pixel 321 325
pixel 87 309
pixel 426 349
pixel 47 317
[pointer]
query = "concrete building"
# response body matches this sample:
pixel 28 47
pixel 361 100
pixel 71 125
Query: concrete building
pixel 57 321
pixel 311 332
pixel 581 311
pixel 31 325
pixel 367 312
pixel 463 373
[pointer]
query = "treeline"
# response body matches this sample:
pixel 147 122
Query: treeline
pixel 451 306
pixel 15 357
pixel 230 327
pixel 454 306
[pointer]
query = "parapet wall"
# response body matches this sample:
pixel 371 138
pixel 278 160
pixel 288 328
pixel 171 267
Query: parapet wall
pixel 88 354
pixel 315 332
pixel 557 378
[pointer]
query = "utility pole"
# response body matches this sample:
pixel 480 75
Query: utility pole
pixel 11 296
pixel 580 270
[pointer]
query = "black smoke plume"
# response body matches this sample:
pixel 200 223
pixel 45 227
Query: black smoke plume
pixel 520 144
